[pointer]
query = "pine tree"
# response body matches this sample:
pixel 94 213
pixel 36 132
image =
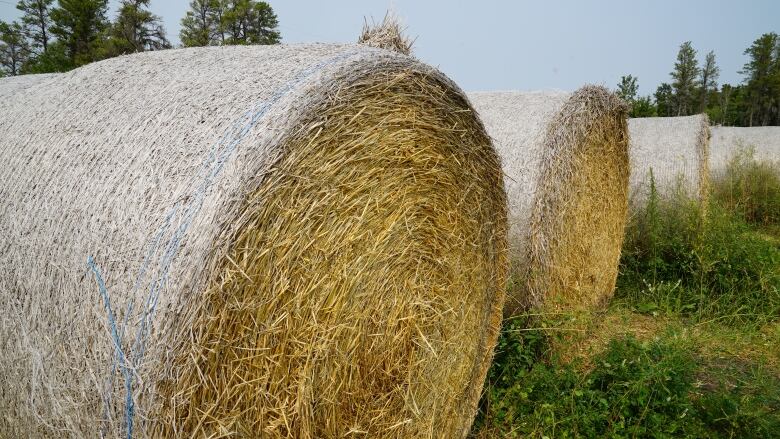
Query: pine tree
pixel 14 49
pixel 627 88
pixel 643 107
pixel 37 21
pixel 263 26
pixel 137 30
pixel 664 97
pixel 709 80
pixel 762 80
pixel 250 22
pixel 685 75
pixel 229 22
pixel 80 25
pixel 197 26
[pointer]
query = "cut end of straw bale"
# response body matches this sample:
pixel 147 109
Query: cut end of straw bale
pixel 341 305
pixel 566 162
pixel 388 35
pixel 576 227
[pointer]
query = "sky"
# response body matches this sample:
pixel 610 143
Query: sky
pixel 531 45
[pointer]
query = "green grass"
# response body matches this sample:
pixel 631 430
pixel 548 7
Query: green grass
pixel 676 260
pixel 669 385
pixel 690 347
pixel 750 189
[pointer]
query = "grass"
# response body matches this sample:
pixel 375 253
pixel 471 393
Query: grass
pixel 720 266
pixel 672 382
pixel 751 189
pixel 690 347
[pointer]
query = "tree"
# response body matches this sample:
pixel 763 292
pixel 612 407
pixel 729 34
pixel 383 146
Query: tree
pixel 709 80
pixel 639 106
pixel 643 107
pixel 218 18
pixel 37 21
pixel 627 89
pixel 137 29
pixel 685 74
pixel 198 27
pixel 664 97
pixel 55 59
pixel 14 49
pixel 263 28
pixel 81 26
pixel 250 22
pixel 762 80
pixel 229 22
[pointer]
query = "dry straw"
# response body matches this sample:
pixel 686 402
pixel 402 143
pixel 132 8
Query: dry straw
pixel 727 142
pixel 387 35
pixel 675 150
pixel 280 241
pixel 565 161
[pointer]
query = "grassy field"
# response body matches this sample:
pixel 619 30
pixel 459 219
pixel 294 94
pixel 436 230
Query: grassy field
pixel 689 347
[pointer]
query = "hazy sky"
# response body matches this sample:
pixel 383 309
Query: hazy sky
pixel 502 45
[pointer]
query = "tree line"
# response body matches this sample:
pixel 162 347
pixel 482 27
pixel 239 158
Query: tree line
pixel 59 37
pixel 693 88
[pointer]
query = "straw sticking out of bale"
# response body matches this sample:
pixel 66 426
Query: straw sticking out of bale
pixel 330 262
pixel 566 164
pixel 763 142
pixel 676 150
pixel 387 35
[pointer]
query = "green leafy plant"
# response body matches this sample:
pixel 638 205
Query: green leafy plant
pixel 656 389
pixel 634 389
pixel 677 260
pixel 750 189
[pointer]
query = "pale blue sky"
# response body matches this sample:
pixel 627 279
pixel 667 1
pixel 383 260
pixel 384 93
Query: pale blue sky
pixel 525 45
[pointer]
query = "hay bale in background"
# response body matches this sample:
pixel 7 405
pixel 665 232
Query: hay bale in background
pixel 727 142
pixel 565 161
pixel 278 241
pixel 388 35
pixel 676 149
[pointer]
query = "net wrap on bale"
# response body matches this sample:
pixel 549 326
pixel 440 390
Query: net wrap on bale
pixel 565 161
pixel 17 85
pixel 675 150
pixel 727 142
pixel 265 241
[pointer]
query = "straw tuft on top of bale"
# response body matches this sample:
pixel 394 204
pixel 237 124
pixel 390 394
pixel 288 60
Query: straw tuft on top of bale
pixel 296 241
pixel 388 35
pixel 727 142
pixel 675 150
pixel 565 161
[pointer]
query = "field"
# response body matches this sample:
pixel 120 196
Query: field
pixel 689 346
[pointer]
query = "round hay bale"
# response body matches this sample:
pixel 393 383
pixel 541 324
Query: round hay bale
pixel 15 85
pixel 388 35
pixel 264 241
pixel 565 161
pixel 727 142
pixel 675 150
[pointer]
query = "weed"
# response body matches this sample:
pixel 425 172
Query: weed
pixel 675 260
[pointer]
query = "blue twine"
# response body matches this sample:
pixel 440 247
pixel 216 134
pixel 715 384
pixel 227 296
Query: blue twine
pixel 129 404
pixel 211 168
